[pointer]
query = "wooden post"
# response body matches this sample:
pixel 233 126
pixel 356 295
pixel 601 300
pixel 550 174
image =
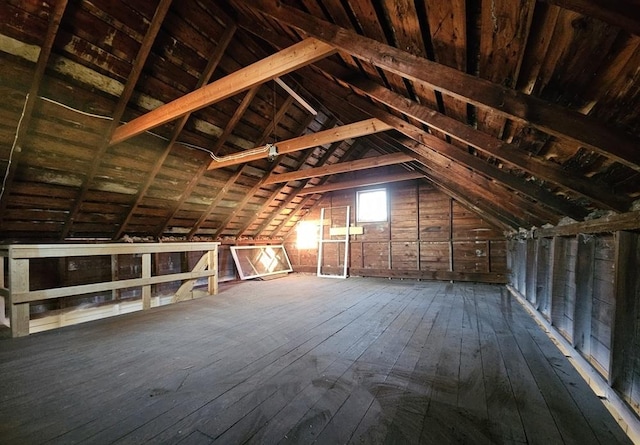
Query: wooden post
pixel 585 259
pixel 212 261
pixel 623 331
pixel 18 282
pixel 3 318
pixel 146 273
pixel 114 276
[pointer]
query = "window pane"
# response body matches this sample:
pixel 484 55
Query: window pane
pixel 372 205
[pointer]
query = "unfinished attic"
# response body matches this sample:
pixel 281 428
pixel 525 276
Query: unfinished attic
pixel 412 222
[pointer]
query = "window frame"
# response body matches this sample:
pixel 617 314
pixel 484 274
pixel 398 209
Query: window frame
pixel 359 193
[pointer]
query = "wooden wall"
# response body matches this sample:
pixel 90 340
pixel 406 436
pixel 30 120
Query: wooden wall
pixel 427 235
pixel 587 286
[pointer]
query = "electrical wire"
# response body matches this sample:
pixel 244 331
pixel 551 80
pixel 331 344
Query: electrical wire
pixel 13 146
pixel 231 157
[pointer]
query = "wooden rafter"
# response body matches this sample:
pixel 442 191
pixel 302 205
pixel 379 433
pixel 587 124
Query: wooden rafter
pixel 225 189
pixel 467 181
pixel 546 170
pixel 136 71
pixel 624 14
pixel 283 62
pixel 30 101
pixel 214 60
pixel 277 190
pixel 548 117
pixel 349 131
pixel 441 152
pixel 293 193
pixel 599 194
pixel 341 167
pixel 364 182
pixel 193 182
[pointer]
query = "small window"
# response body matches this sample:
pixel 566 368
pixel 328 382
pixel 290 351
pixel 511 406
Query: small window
pixel 372 205
pixel 307 235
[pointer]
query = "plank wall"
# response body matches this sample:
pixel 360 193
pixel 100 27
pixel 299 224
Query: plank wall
pixel 587 286
pixel 427 235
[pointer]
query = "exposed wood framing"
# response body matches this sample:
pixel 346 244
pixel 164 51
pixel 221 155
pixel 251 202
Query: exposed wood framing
pixel 625 13
pixel 341 167
pixel 30 100
pixel 474 183
pixel 293 194
pixel 348 131
pixel 610 223
pixel 283 62
pixel 214 60
pixel 136 71
pixel 246 101
pixel 364 182
pixel 598 193
pixel 560 122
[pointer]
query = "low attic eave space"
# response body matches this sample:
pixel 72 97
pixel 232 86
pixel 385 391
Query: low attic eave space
pixel 115 115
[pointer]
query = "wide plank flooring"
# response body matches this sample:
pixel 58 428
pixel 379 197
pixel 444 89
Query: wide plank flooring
pixel 302 360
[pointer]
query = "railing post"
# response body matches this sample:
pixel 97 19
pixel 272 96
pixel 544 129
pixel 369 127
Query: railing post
pixel 212 264
pixel 146 288
pixel 18 282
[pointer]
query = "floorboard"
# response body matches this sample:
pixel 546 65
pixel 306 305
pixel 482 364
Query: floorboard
pixel 300 360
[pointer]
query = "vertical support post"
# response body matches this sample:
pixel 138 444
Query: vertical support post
pixel 212 264
pixel 585 261
pixel 451 235
pixel 3 319
pixel 146 273
pixel 114 275
pixel 623 331
pixel 320 242
pixel 18 283
pixel 346 241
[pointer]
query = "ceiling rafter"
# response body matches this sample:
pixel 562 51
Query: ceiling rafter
pixel 340 167
pixel 491 193
pixel 293 193
pixel 32 96
pixel 225 189
pixel 548 117
pixel 442 152
pixel 546 170
pixel 348 131
pixel 237 115
pixel 467 196
pixel 362 182
pixel 289 59
pixel 134 75
pixel 214 60
pixel 275 193
pixel 599 194
pixel 622 13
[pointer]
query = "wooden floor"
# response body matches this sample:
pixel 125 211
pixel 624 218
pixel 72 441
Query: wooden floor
pixel 303 359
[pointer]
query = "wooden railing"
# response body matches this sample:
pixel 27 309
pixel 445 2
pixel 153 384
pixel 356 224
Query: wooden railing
pixel 18 294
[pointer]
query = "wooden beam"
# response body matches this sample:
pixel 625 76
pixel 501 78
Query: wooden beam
pixel 32 96
pixel 193 182
pixel 610 223
pixel 214 60
pixel 341 167
pixel 285 61
pixel 600 194
pixel 365 182
pixel 624 14
pixel 293 194
pixel 545 116
pixel 220 196
pixel 439 153
pixel 349 131
pixel 132 80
